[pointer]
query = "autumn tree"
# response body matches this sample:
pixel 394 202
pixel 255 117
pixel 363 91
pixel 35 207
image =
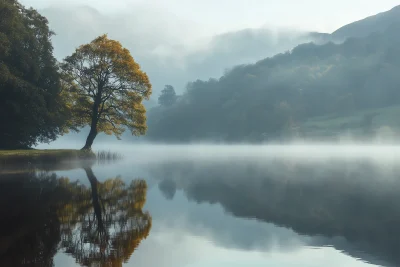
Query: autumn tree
pixel 31 107
pixel 105 88
pixel 168 96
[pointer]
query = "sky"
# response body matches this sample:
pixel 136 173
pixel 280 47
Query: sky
pixel 230 15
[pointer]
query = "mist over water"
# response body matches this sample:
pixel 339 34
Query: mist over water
pixel 299 204
pixel 300 151
pixel 293 202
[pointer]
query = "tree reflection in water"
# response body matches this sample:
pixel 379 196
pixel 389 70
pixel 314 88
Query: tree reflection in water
pixel 98 226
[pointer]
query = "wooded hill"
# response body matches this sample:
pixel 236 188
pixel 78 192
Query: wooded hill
pixel 276 97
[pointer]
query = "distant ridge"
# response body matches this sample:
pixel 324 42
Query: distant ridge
pixel 364 27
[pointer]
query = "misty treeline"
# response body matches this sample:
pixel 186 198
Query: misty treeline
pixel 275 96
pixel 100 85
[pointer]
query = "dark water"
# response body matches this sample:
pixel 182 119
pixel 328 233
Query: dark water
pixel 208 206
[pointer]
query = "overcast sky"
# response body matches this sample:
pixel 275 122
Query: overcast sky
pixel 218 16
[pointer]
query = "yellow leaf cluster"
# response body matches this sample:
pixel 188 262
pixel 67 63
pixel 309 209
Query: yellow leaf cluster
pixel 105 87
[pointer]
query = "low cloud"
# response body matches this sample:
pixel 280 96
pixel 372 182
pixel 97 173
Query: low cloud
pixel 170 49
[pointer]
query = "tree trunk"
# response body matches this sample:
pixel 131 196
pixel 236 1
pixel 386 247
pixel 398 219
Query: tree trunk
pixel 95 197
pixel 89 140
pixel 95 119
pixel 93 126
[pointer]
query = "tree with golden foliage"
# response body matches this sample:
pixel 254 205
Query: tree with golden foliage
pixel 104 87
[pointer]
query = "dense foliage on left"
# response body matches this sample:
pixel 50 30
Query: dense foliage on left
pixel 31 106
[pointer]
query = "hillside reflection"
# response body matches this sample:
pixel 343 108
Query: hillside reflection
pixel 357 200
pixel 99 225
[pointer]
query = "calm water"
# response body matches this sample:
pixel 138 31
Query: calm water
pixel 192 206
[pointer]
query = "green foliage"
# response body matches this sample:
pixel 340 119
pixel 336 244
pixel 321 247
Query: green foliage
pixel 31 108
pixel 168 96
pixel 272 98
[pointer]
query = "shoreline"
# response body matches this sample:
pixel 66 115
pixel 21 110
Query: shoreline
pixel 36 157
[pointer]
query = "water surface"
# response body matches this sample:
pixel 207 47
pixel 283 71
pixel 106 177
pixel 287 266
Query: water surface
pixel 204 205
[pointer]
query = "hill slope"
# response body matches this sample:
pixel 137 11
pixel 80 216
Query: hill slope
pixel 376 23
pixel 272 98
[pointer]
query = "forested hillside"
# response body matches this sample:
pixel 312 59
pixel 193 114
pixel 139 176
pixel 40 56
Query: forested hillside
pixel 274 97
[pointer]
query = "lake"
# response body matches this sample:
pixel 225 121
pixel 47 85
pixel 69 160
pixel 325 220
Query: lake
pixel 208 205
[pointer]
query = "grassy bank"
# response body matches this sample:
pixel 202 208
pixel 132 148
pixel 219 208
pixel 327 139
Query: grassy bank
pixel 42 157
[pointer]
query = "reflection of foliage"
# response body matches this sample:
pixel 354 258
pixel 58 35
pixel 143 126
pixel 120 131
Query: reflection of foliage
pixel 99 226
pixel 29 228
pixel 357 201
pixel 110 228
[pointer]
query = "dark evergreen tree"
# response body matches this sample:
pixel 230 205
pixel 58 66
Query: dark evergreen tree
pixel 31 108
pixel 168 96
